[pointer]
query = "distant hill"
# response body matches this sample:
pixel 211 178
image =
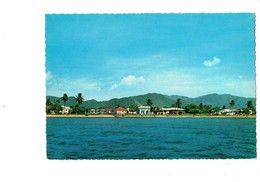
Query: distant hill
pixel 223 100
pixel 216 100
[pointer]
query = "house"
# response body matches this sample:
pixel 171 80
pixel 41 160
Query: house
pixel 171 110
pixel 229 112
pixel 144 109
pixel 120 110
pixel 65 109
pixel 92 111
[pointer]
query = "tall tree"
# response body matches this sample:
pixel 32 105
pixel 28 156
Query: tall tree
pixel 232 103
pixel 64 98
pixel 79 98
pixel 178 103
pixel 149 102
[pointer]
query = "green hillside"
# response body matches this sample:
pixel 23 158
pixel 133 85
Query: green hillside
pixel 223 100
pixel 160 100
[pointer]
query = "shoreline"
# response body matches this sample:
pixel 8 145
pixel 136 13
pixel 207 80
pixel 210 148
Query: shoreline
pixel 145 116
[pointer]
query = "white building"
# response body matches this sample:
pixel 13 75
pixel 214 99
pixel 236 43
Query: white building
pixel 92 111
pixel 144 109
pixel 65 109
pixel 229 112
pixel 172 110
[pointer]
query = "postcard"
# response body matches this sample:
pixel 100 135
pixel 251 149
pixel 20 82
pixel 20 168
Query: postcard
pixel 150 86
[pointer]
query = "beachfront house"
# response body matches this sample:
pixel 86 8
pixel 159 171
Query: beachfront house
pixel 65 109
pixel 171 110
pixel 120 110
pixel 92 111
pixel 144 109
pixel 229 112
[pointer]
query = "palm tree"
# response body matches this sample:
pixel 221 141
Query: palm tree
pixel 79 98
pixel 232 103
pixel 178 103
pixel 64 98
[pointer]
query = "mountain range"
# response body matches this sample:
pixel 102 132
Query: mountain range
pixel 216 100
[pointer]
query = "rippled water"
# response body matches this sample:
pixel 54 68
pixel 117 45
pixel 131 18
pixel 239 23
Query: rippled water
pixel 150 138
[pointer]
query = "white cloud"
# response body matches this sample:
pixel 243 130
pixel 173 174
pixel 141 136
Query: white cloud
pixel 210 63
pixel 130 80
pixel 48 76
pixel 113 87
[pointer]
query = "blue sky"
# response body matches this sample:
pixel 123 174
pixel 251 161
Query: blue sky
pixel 106 56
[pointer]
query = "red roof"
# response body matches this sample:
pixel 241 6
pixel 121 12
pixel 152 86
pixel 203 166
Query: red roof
pixel 120 109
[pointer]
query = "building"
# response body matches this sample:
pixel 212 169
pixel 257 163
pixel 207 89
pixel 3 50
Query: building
pixel 120 110
pixel 144 109
pixel 229 112
pixel 171 110
pixel 65 109
pixel 92 111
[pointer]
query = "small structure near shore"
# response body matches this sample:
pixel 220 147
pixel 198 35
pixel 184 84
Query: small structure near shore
pixel 120 110
pixel 144 109
pixel 229 112
pixel 171 110
pixel 65 109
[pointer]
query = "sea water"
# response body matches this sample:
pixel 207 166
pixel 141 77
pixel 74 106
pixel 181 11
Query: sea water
pixel 151 138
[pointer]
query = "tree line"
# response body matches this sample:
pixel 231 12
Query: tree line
pixel 55 107
pixel 198 109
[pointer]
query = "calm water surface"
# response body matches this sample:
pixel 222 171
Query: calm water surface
pixel 150 138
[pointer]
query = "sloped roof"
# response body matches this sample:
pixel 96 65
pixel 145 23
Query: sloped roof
pixel 120 109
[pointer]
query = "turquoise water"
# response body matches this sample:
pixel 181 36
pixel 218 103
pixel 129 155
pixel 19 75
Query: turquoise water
pixel 150 138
